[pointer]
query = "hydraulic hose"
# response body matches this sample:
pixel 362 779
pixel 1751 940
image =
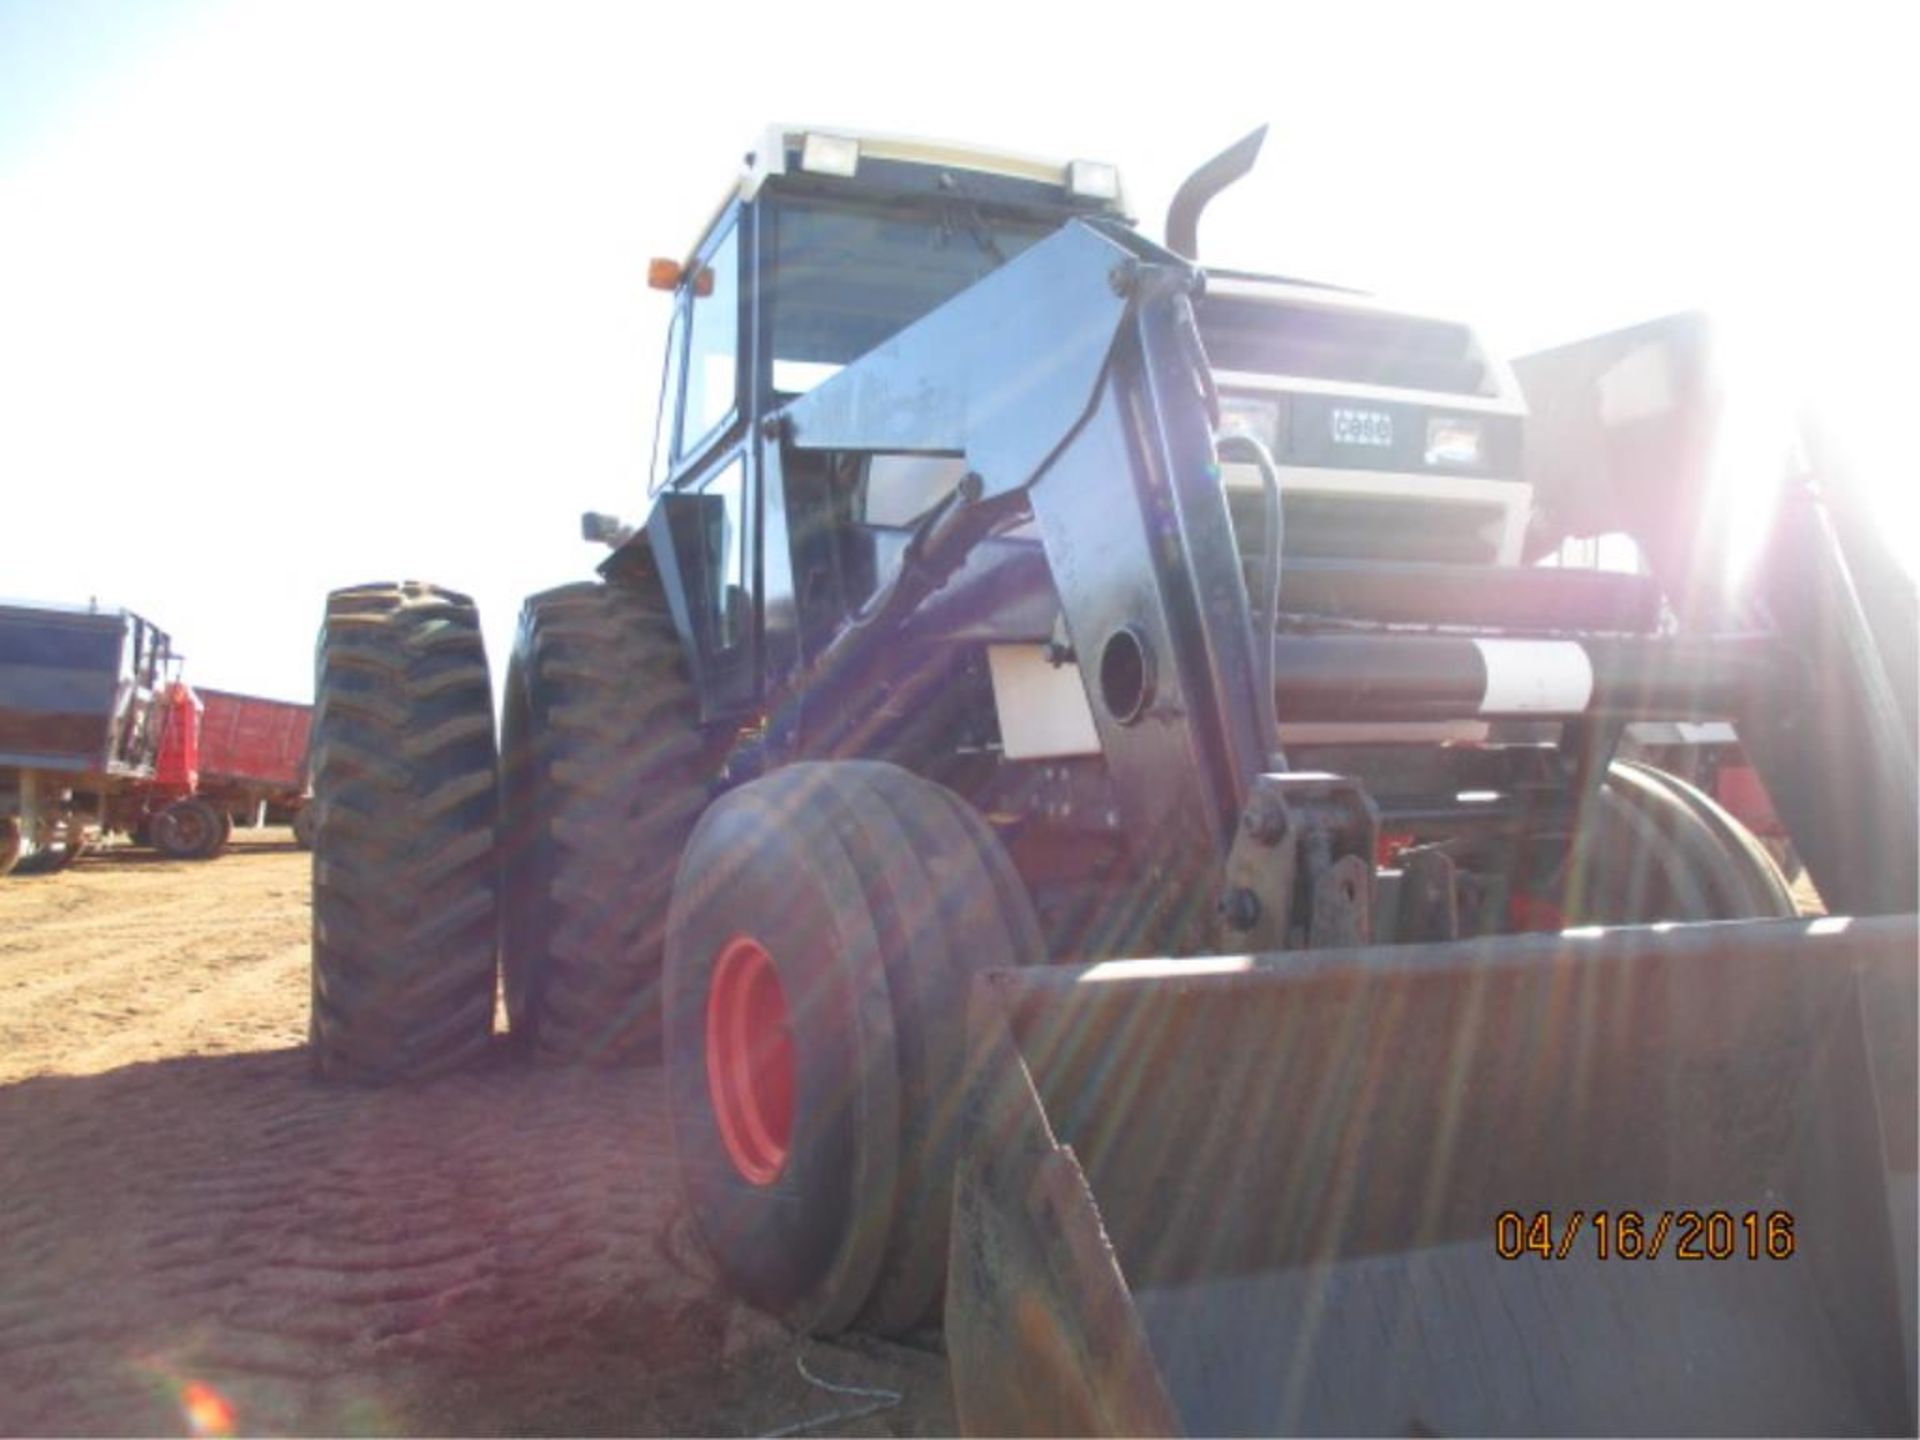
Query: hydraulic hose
pixel 1247 448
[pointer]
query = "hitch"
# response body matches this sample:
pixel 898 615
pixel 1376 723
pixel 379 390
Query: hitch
pixel 1299 874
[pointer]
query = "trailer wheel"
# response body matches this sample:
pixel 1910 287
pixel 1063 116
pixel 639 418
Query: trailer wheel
pixel 189 829
pixel 604 770
pixel 303 827
pixel 1654 848
pixel 403 858
pixel 12 844
pixel 827 920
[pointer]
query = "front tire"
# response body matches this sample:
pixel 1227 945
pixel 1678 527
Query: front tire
pixel 1651 848
pixel 827 922
pixel 403 858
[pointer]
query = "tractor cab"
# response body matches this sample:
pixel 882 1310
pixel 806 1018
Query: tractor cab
pixel 828 246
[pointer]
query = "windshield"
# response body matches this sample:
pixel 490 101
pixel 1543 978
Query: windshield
pixel 846 277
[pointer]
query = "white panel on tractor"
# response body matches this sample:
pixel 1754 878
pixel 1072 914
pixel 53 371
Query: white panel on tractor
pixel 1535 677
pixel 1042 706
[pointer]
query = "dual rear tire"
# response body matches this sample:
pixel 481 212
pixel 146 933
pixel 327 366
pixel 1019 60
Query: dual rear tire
pixel 437 865
pixel 604 770
pixel 404 817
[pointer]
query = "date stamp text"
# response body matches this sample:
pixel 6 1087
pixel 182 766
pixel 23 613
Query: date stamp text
pixel 1645 1235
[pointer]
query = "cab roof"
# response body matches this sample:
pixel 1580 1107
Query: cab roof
pixel 780 146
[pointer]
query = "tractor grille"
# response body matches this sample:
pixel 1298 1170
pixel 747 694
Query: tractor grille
pixel 1278 338
pixel 1322 526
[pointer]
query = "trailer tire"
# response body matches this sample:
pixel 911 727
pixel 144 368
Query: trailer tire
pixel 12 844
pixel 303 827
pixel 190 829
pixel 604 770
pixel 827 921
pixel 404 931
pixel 1654 848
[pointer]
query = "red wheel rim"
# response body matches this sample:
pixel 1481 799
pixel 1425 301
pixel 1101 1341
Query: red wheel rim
pixel 1531 914
pixel 750 1060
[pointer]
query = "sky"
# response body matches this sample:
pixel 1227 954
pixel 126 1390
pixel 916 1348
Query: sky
pixel 299 295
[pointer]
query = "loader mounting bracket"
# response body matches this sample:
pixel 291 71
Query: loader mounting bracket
pixel 1299 874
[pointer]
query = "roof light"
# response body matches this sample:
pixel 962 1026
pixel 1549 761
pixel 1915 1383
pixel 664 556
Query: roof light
pixel 1093 180
pixel 830 155
pixel 663 274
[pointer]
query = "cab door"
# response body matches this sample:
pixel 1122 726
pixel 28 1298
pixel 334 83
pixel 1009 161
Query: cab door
pixel 710 497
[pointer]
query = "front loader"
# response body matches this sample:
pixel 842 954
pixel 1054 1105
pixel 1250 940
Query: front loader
pixel 1121 854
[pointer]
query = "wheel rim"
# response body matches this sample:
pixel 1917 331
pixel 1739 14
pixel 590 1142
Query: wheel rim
pixel 750 1060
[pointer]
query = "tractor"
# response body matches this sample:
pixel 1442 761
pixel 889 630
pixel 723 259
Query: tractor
pixel 1090 780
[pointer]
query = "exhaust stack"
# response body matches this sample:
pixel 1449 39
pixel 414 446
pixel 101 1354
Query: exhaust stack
pixel 1199 188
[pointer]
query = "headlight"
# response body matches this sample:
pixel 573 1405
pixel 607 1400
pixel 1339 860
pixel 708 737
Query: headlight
pixel 1092 180
pixel 1257 419
pixel 830 155
pixel 1453 441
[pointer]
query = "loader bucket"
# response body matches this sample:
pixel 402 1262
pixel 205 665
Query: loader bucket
pixel 1262 1195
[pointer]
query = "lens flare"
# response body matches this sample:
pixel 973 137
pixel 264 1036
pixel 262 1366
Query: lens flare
pixel 208 1413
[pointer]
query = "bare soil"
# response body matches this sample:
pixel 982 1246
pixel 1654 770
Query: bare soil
pixel 197 1238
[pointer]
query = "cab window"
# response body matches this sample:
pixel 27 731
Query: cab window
pixel 726 597
pixel 669 399
pixel 713 345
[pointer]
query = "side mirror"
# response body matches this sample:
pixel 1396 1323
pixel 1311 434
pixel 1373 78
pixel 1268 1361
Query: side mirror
pixel 598 529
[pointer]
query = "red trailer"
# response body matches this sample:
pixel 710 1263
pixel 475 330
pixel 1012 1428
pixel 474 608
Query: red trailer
pixel 222 757
pixel 254 751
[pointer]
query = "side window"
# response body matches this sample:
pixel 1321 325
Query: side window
pixel 670 372
pixel 713 345
pixel 725 594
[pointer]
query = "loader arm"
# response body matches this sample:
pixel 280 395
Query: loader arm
pixel 1073 382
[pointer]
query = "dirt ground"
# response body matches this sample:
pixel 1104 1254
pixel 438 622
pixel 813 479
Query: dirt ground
pixel 197 1239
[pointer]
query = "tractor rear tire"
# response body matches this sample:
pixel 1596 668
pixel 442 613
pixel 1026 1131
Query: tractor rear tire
pixel 1653 848
pixel 604 770
pixel 403 861
pixel 827 922
pixel 189 829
